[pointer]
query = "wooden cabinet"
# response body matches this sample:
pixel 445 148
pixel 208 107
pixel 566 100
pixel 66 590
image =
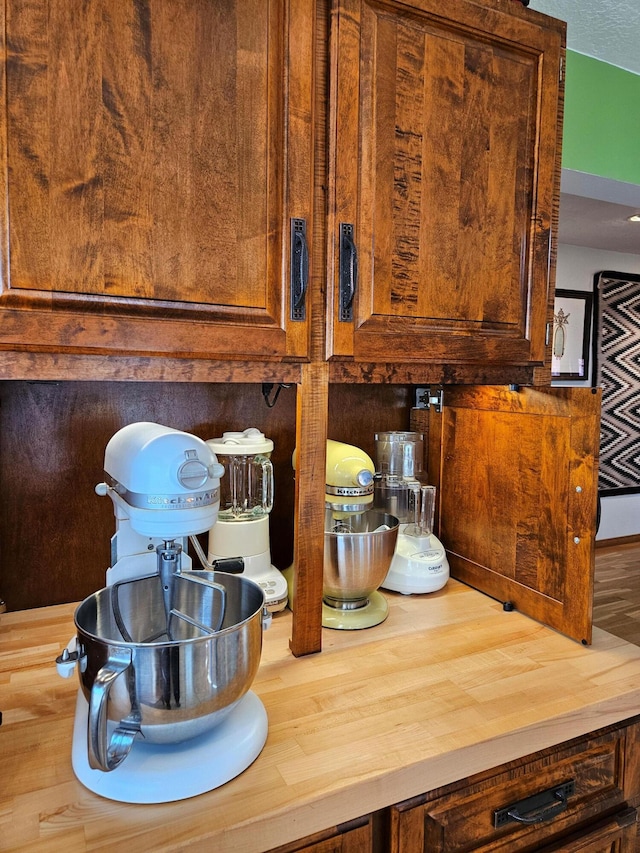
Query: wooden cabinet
pixel 579 796
pixel 157 163
pixel 444 144
pixel 582 796
pixel 160 179
pixel 356 837
pixel 164 161
pixel 516 471
pixel 618 833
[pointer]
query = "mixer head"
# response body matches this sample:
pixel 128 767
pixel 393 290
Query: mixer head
pixel 349 478
pixel 164 481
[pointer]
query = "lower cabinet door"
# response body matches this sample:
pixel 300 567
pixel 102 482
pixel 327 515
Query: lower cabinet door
pixel 358 839
pixel 617 834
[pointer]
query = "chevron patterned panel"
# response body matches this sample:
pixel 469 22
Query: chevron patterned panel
pixel 617 361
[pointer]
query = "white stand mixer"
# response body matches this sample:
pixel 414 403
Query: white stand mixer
pixel 164 485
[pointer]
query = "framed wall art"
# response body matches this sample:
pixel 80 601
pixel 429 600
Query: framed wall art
pixel 616 370
pixel 571 333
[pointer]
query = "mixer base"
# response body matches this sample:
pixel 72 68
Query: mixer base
pixel 165 773
pixel 373 613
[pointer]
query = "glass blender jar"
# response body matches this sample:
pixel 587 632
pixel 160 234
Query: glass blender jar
pixel 246 499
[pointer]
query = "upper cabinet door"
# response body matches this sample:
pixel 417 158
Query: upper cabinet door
pixel 516 472
pixel 444 147
pixel 156 155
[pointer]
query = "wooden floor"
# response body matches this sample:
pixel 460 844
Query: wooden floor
pixel 616 600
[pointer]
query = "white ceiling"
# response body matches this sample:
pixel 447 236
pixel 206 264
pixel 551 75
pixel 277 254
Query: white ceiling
pixel 605 29
pixel 598 224
pixel 608 30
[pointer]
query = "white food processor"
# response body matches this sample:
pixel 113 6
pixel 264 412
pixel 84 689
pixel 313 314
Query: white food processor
pixel 165 654
pixel 419 564
pixel 358 542
pixel 246 499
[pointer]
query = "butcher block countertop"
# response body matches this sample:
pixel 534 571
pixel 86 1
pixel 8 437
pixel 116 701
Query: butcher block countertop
pixel 448 686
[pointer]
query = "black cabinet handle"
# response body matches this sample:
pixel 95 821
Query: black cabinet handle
pixel 543 814
pixel 299 278
pixel 348 272
pixel 538 808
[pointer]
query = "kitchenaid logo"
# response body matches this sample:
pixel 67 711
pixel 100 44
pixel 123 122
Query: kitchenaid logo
pixel 183 501
pixel 350 491
pixel 141 500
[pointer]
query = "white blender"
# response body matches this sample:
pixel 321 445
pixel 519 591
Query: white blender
pixel 419 564
pixel 165 655
pixel 242 527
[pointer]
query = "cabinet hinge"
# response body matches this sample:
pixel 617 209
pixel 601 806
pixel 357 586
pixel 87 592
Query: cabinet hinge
pixel 562 69
pixel 428 397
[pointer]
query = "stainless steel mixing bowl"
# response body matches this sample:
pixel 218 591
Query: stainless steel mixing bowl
pixel 165 679
pixel 358 550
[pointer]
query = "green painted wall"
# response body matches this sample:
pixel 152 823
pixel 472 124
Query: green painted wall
pixel 601 119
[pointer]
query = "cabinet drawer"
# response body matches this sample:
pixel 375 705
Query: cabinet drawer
pixel 353 837
pixel 474 815
pixel 616 834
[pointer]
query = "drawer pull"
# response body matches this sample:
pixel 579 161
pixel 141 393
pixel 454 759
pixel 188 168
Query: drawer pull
pixel 538 808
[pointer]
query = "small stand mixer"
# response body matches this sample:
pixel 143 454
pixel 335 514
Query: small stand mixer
pixel 358 542
pixel 165 655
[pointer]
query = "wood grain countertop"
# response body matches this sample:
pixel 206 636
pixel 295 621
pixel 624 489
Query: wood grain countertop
pixel 448 686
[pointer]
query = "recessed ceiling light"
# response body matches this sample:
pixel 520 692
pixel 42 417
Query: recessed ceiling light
pixel 634 218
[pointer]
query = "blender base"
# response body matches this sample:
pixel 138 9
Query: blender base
pixel 250 540
pixel 165 773
pixel 373 613
pixel 273 584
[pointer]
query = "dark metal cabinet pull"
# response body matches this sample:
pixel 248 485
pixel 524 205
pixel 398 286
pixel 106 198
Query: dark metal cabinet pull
pixel 538 808
pixel 348 272
pixel 299 278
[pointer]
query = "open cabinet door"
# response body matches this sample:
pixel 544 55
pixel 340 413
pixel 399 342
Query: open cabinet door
pixel 516 472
